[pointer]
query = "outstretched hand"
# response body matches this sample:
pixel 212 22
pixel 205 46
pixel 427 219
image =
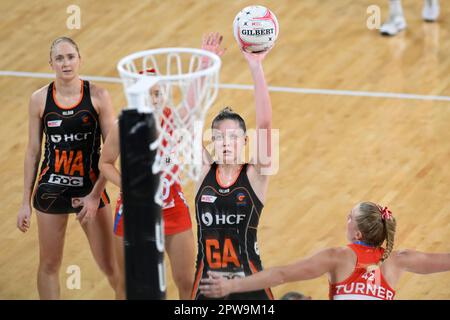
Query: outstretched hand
pixel 211 42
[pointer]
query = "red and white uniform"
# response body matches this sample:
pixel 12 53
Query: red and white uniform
pixel 363 285
pixel 175 209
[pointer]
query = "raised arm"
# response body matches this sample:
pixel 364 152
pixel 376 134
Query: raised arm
pixel 263 108
pixel 421 262
pixel 315 266
pixel 211 42
pixel 110 153
pixel 32 157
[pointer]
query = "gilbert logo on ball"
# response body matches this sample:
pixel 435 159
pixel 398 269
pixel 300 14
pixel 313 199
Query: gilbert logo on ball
pixel 255 28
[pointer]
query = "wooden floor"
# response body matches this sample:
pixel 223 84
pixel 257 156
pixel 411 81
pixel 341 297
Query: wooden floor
pixel 334 150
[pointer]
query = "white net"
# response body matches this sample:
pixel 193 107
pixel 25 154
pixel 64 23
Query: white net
pixel 177 85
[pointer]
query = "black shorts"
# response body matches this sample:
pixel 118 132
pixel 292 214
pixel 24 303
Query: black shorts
pixel 50 198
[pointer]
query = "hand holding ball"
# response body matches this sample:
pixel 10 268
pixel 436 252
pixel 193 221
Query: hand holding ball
pixel 255 29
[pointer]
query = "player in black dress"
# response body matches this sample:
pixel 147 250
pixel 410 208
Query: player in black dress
pixel 231 194
pixel 73 115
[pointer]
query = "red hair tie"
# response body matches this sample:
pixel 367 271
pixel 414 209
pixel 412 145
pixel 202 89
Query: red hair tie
pixel 386 214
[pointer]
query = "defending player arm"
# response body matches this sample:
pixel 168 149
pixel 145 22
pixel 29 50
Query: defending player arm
pixel 421 262
pixel 109 155
pixel 306 269
pixel 102 100
pixel 211 42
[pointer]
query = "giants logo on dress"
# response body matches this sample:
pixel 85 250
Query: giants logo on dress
pixel 54 123
pixel 86 120
pixel 208 199
pixel 240 197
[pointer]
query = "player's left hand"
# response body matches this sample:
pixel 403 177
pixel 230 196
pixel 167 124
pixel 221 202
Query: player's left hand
pixel 215 286
pixel 90 205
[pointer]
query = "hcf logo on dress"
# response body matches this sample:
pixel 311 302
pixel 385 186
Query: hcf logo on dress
pixel 221 219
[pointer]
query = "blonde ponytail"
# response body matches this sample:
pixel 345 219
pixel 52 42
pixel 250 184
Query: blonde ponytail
pixel 390 226
pixel 376 225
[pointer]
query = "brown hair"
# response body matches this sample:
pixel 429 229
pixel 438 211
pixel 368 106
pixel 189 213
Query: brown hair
pixel 63 39
pixel 376 226
pixel 228 114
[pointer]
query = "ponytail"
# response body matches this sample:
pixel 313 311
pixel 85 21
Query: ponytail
pixel 377 225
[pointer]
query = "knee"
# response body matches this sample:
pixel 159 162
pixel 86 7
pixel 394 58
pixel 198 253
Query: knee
pixel 109 268
pixel 50 265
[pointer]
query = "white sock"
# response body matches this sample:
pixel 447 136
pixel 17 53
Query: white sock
pixel 395 8
pixel 432 2
pixel 430 11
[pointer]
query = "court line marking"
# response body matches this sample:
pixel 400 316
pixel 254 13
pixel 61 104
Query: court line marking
pixel 352 93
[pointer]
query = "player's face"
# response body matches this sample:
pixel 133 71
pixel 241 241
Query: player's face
pixel 156 96
pixel 352 228
pixel 229 141
pixel 65 61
